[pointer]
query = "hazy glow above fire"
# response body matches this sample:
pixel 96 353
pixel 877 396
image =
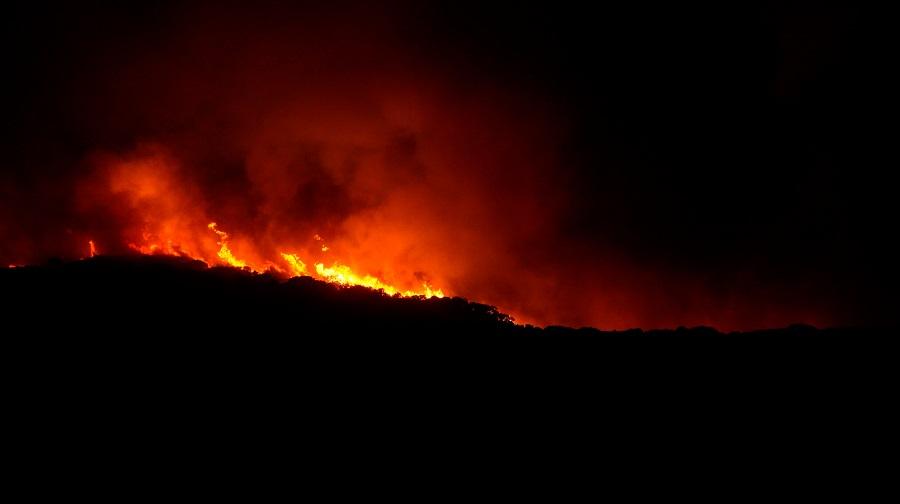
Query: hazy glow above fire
pixel 401 149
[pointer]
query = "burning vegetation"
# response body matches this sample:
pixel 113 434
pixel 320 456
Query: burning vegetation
pixel 166 219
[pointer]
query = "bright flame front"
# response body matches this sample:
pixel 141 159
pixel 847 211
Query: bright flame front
pixel 337 273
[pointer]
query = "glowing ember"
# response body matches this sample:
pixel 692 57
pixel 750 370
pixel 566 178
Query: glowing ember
pixel 151 247
pixel 324 247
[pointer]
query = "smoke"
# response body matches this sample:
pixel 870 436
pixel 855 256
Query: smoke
pixel 294 128
pixel 293 133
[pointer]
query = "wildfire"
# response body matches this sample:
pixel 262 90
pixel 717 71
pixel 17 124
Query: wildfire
pixel 337 273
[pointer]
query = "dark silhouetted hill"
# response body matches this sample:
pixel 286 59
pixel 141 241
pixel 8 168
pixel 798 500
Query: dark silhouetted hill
pixel 168 297
pixel 184 305
pixel 170 351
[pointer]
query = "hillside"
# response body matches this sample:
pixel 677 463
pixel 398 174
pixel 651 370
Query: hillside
pixel 168 297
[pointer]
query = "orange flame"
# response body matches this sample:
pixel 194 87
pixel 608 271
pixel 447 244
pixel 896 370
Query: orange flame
pixel 224 252
pixel 337 273
pixel 343 275
pixel 298 267
pixel 169 219
pixel 93 248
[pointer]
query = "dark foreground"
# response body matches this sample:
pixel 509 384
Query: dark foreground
pixel 158 354
pixel 131 324
pixel 124 308
pixel 168 297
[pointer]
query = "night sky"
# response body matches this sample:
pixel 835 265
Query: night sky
pixel 614 166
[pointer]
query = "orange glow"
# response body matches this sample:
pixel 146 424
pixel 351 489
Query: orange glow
pixel 93 248
pixel 329 141
pixel 166 217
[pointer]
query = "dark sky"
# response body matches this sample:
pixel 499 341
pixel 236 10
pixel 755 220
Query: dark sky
pixel 716 164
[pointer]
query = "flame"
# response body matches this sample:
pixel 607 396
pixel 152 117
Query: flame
pixel 343 275
pixel 337 273
pixel 224 252
pixel 298 268
pixel 93 248
pixel 431 292
pixel 169 221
